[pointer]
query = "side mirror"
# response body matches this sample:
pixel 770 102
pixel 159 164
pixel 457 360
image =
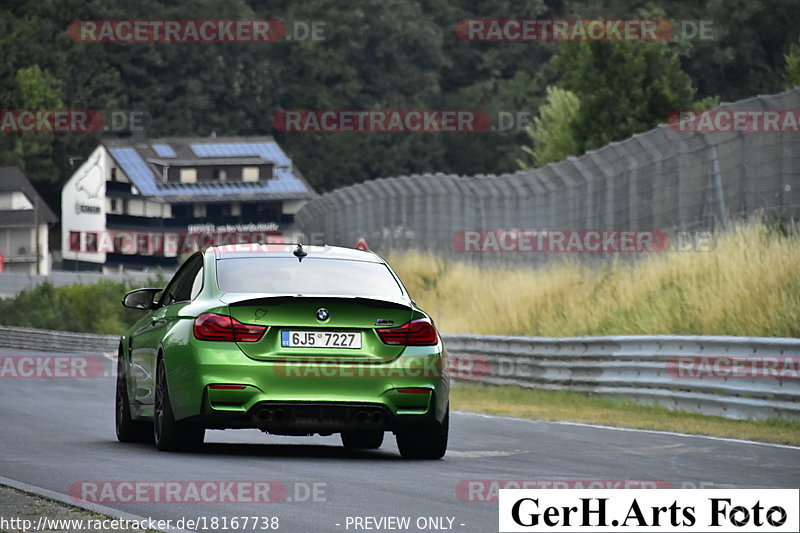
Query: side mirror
pixel 141 299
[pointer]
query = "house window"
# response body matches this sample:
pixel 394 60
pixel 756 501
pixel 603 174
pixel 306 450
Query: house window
pixel 214 210
pixel 113 174
pixel 74 241
pixel 113 205
pixel 188 175
pixel 135 208
pixel 220 174
pixel 90 241
pixel 199 211
pixel 250 174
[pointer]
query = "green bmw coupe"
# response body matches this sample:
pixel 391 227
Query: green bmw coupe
pixel 288 339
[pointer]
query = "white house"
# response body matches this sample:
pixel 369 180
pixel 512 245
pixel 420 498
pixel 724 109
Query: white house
pixel 133 202
pixel 24 222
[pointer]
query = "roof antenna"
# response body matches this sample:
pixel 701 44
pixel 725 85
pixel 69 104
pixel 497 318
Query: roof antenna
pixel 299 253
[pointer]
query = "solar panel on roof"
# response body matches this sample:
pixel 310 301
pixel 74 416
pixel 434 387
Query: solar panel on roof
pixel 164 150
pixel 287 182
pixel 269 151
pixel 142 176
pixel 136 169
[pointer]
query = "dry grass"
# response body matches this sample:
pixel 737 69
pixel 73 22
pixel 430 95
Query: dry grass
pixel 592 409
pixel 748 284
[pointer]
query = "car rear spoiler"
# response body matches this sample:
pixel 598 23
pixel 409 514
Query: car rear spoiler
pixel 241 300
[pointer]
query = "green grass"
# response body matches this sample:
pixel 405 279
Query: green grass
pixel 568 406
pixel 94 308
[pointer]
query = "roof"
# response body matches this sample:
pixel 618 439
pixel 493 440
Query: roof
pixel 13 180
pixel 208 161
pixel 238 251
pixel 139 158
pixel 18 217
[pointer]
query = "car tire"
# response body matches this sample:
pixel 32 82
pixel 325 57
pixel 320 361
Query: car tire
pixel 170 435
pixel 425 441
pixel 128 429
pixel 362 440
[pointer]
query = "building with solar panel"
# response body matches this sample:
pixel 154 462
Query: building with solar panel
pixel 139 204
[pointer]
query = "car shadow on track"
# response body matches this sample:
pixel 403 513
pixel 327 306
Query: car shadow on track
pixel 300 451
pixel 270 450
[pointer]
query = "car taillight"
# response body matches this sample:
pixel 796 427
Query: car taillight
pixel 415 333
pixel 214 327
pixel 247 332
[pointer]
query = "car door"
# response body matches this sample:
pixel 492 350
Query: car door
pixel 146 341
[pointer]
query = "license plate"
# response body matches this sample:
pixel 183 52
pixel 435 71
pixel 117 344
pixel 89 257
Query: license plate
pixel 320 339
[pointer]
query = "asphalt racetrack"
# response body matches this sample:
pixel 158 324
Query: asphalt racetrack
pixel 58 434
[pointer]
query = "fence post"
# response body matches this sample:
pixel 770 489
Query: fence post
pixel 608 221
pixel 681 154
pixel 568 186
pixel 549 198
pixel 787 209
pixel 587 177
pixel 658 186
pixel 723 212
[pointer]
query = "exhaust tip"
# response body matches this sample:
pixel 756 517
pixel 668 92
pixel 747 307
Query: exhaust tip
pixel 377 417
pixel 280 415
pixel 362 417
pixel 264 414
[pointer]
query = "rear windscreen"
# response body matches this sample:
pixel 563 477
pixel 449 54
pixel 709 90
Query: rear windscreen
pixel 311 276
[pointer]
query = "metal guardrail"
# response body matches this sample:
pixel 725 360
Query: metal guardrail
pixel 57 341
pixel 12 283
pixel 645 369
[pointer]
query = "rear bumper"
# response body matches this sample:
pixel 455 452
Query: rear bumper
pixel 307 418
pixel 305 396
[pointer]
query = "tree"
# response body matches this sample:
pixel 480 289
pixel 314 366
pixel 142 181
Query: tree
pixel 607 92
pixel 379 55
pixel 623 88
pixel 38 89
pixel 552 132
pixel 793 67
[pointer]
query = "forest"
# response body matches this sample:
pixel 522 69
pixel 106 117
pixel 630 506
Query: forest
pixel 377 54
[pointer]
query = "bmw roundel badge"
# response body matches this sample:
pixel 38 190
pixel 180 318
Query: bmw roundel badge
pixel 322 314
